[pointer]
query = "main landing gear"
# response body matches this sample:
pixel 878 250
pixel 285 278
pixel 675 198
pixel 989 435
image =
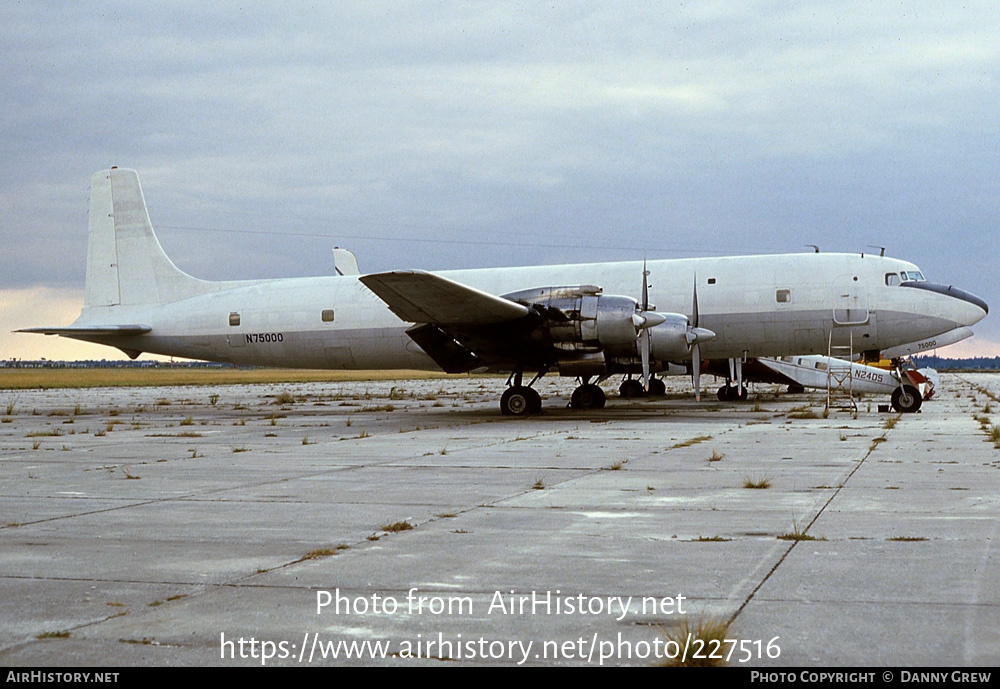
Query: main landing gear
pixel 519 399
pixel 588 396
pixel 632 387
pixel 732 393
pixel 523 400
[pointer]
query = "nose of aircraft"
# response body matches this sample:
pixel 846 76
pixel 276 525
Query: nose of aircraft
pixel 969 309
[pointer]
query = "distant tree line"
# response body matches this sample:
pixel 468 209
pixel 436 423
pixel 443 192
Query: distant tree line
pixel 978 363
pixel 110 363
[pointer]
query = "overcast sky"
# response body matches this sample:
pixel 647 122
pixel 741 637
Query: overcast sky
pixel 456 134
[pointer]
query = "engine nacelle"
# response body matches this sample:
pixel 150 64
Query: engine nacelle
pixel 615 327
pixel 596 333
pixel 581 319
pixel 669 339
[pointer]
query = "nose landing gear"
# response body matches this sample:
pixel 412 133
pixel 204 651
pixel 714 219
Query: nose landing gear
pixel 906 399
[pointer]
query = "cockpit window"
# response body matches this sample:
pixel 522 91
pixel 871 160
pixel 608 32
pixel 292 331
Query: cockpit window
pixel 893 279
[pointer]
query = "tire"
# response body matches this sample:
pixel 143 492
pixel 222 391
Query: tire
pixel 906 399
pixel 600 399
pixel 631 388
pixel 795 389
pixel 657 387
pixel 730 393
pixel 518 401
pixel 535 406
pixel 588 397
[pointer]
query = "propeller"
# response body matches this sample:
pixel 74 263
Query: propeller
pixel 645 319
pixel 645 341
pixel 694 336
pixel 693 341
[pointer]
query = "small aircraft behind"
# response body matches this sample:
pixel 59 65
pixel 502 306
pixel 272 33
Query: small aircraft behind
pixel 906 386
pixel 891 375
pixel 579 320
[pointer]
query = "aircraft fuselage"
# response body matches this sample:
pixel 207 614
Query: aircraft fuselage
pixel 757 305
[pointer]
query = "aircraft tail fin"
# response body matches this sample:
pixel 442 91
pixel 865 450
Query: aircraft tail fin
pixel 345 262
pixel 125 263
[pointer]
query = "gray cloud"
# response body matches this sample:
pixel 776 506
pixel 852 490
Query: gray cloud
pixel 454 134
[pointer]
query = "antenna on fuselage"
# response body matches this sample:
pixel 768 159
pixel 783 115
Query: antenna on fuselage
pixel 815 248
pixel 881 249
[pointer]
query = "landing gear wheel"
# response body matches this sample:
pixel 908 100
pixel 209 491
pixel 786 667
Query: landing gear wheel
pixel 520 401
pixel 906 399
pixel 795 389
pixel 657 387
pixel 588 396
pixel 731 393
pixel 631 388
pixel 535 400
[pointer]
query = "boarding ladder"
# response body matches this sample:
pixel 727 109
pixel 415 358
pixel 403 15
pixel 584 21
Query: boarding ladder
pixel 840 375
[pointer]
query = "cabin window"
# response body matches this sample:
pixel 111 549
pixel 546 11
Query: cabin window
pixel 891 279
pixel 912 276
pixel 783 296
pixel 234 318
pixel 327 315
pixel 821 366
pixel 711 281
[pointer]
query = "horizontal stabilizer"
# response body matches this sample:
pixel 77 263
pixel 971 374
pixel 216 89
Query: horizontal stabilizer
pixel 90 330
pixel 419 297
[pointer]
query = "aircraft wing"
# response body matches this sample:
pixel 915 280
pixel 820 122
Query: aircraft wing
pixel 460 327
pixel 419 297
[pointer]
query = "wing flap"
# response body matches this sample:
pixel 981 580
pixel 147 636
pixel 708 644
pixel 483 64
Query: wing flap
pixel 419 297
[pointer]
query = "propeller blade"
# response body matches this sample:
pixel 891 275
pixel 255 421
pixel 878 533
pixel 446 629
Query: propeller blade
pixel 695 335
pixel 696 370
pixel 644 345
pixel 647 320
pixel 645 286
pixel 694 303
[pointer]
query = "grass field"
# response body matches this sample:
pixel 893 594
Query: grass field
pixel 47 378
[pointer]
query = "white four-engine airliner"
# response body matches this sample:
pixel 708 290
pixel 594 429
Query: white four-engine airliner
pixel 588 321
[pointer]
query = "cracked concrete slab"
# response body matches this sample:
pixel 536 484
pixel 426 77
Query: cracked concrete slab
pixel 159 526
